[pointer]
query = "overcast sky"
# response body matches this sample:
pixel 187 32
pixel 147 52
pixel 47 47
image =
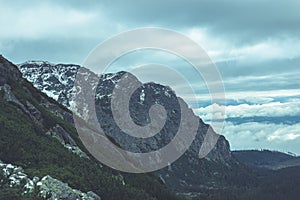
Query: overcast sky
pixel 254 44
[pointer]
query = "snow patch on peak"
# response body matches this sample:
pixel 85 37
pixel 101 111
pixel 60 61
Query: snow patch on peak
pixel 142 96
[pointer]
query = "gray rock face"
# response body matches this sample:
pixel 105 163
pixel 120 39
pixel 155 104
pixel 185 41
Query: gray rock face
pixel 35 113
pixel 186 171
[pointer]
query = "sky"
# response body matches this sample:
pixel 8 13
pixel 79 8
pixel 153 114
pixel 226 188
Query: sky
pixel 254 44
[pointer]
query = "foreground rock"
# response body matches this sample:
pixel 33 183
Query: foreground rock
pixel 48 188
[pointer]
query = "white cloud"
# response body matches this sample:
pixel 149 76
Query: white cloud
pixel 45 19
pixel 271 49
pixel 223 49
pixel 278 136
pixel 263 96
pixel 255 135
pixel 273 109
pixel 216 48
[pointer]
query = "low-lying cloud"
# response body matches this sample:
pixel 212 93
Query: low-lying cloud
pixel 255 135
pixel 272 109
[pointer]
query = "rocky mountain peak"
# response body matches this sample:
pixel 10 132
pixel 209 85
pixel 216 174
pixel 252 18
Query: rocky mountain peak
pixel 57 81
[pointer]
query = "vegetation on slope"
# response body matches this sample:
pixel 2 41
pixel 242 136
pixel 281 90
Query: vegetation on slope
pixel 24 143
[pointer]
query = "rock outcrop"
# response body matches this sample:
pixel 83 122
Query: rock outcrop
pixel 52 189
pixel 46 188
pixel 65 139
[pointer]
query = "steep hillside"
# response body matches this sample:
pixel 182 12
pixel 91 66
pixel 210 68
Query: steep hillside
pixel 37 134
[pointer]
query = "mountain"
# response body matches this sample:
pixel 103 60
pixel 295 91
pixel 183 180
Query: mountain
pixel 38 141
pixel 57 81
pixel 41 153
pixel 267 159
pixel 186 174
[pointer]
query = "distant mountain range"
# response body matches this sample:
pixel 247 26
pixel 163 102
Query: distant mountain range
pixel 42 156
pixel 267 159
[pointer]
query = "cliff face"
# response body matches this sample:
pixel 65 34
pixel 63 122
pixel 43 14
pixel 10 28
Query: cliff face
pixel 57 81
